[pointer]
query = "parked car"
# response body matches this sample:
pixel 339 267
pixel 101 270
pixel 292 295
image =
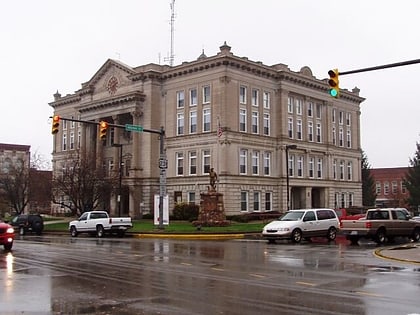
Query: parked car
pixel 7 235
pixel 303 223
pixel 28 223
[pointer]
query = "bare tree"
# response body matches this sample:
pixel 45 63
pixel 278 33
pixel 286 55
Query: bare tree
pixel 84 184
pixel 14 184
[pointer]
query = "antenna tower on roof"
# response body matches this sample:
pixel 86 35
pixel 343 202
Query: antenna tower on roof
pixel 172 54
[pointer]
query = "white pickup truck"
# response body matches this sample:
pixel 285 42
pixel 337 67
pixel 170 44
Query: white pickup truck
pixel 99 223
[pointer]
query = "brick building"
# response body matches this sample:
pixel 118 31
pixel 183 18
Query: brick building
pixel 225 112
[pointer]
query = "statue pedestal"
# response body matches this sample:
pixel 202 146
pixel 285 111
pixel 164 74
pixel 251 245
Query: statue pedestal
pixel 212 211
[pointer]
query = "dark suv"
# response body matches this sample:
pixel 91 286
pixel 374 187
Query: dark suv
pixel 28 223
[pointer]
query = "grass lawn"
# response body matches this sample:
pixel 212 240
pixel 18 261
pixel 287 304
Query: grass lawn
pixel 147 226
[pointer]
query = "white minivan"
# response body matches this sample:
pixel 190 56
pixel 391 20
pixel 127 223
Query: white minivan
pixel 303 223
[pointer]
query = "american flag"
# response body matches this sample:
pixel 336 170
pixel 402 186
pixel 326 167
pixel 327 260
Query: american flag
pixel 219 131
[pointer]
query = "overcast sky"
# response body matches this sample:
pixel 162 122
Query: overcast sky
pixel 49 46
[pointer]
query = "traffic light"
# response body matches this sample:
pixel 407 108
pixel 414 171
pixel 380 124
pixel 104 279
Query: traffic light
pixel 334 83
pixel 55 124
pixel 103 127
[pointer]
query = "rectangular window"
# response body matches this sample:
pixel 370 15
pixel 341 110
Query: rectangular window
pixel 335 169
pixel 267 163
pixel 179 163
pixel 242 161
pixel 257 201
pixel 242 94
pixel 193 97
pixel 193 162
pixel 206 161
pixel 311 167
pixel 79 139
pixel 191 197
pixel 72 123
pixel 340 117
pixel 348 139
pixel 255 162
pixel 64 141
pixel 242 120
pixel 319 168
pixel 290 127
pixel 266 122
pixel 180 124
pixel 299 105
pixel 206 94
pixel 244 201
pixel 180 99
pixel 378 188
pixel 254 121
pixel 386 188
pixel 268 201
pixel 254 97
pixel 343 200
pixel 300 166
pixel 310 131
pixel 349 170
pixel 348 119
pixel 318 133
pixel 299 129
pixel 341 137
pixel 334 136
pixel 291 165
pixel 318 111
pixel 394 187
pixel 403 188
pixel 310 109
pixel 350 201
pixel 193 121
pixel 341 170
pixel 72 140
pixel 290 101
pixel 334 112
pixel 206 120
pixel 266 99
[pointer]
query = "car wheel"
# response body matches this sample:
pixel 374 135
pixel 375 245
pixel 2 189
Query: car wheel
pixel 416 235
pixel 100 231
pixel 332 234
pixel 8 246
pixel 380 237
pixel 73 231
pixel 296 236
pixel 21 230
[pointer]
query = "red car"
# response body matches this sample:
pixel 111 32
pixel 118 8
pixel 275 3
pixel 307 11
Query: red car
pixel 7 235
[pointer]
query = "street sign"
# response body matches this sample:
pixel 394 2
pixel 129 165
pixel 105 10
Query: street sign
pixel 163 163
pixel 135 128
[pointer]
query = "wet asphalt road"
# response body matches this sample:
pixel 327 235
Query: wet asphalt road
pixel 60 275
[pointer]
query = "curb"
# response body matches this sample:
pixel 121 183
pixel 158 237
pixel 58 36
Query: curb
pixel 379 253
pixel 190 236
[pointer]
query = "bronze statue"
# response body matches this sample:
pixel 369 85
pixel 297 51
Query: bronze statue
pixel 213 179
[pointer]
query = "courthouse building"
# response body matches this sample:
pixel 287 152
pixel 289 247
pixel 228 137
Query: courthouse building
pixel 226 112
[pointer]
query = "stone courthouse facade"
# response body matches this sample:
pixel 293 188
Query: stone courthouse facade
pixel 224 112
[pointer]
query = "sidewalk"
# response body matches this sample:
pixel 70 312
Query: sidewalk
pixel 408 253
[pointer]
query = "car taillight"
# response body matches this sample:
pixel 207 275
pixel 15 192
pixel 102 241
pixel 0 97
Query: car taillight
pixel 368 225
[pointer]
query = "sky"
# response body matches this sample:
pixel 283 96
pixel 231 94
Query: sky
pixel 56 45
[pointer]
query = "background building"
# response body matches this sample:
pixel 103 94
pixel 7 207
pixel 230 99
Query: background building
pixel 225 112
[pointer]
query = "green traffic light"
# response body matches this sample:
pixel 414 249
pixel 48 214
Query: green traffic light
pixel 333 92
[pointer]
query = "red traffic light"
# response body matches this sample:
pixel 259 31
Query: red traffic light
pixel 55 124
pixel 103 128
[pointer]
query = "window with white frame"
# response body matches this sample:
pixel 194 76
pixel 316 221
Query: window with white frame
pixel 290 127
pixel 243 161
pixel 299 106
pixel 254 122
pixel 300 166
pixel 318 111
pixel 266 99
pixel 242 119
pixel 206 161
pixel 319 168
pixel 193 121
pixel 340 137
pixel 334 136
pixel 193 97
pixel 206 94
pixel 79 139
pixel 310 109
pixel 311 167
pixel 386 188
pixel 343 200
pixel 180 124
pixel 193 162
pixel 191 197
pixel 64 124
pixel 291 164
pixel 244 201
pixel 334 166
pixel 378 188
pixel 348 139
pixel 179 162
pixel 334 113
pixel 318 133
pixel 350 200
pixel 257 201
pixel 72 140
pixel 403 188
pixel 349 170
pixel 340 117
pixel 266 123
pixel 348 119
pixel 254 97
pixel 64 141
pixel 206 120
pixel 299 129
pixel 72 123
pixel 180 99
pixel 268 201
pixel 341 170
pixel 267 163
pixel 310 131
pixel 394 187
pixel 242 94
pixel 336 197
pixel 290 101
pixel 255 162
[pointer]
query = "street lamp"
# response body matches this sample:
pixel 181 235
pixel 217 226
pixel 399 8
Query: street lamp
pixel 288 147
pixel 120 176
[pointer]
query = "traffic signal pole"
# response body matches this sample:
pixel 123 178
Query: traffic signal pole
pixel 163 162
pixel 391 65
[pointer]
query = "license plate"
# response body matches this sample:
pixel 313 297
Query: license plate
pixel 353 233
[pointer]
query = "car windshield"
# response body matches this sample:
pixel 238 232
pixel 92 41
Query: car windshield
pixel 292 216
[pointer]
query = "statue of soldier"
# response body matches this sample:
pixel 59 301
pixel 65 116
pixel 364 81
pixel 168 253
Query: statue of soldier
pixel 213 179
